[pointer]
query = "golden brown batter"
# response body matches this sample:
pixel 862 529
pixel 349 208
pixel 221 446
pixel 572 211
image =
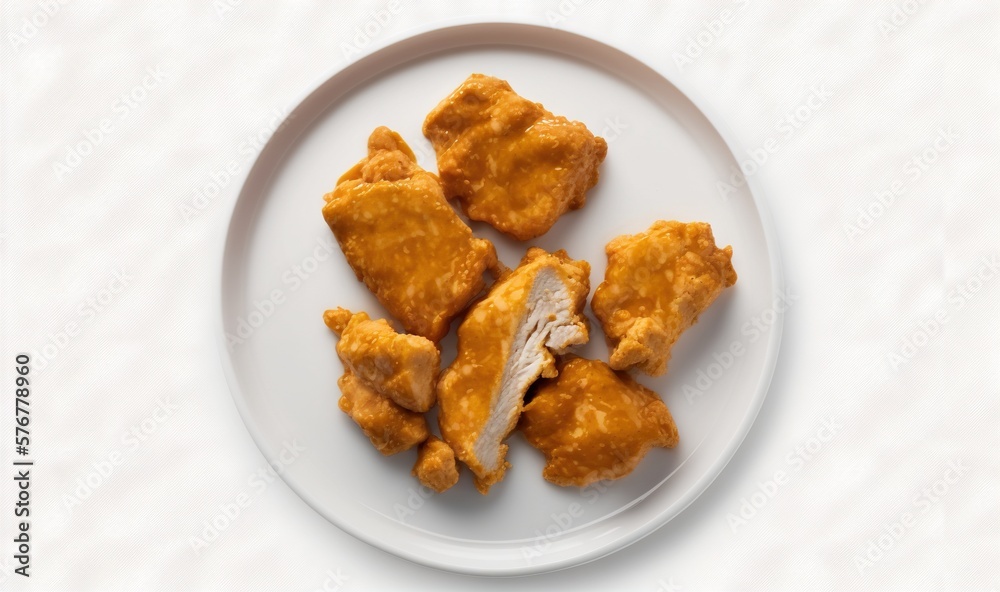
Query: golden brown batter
pixel 435 467
pixel 503 346
pixel 401 367
pixel 594 424
pixel 657 283
pixel 403 240
pixel 510 162
pixel 391 428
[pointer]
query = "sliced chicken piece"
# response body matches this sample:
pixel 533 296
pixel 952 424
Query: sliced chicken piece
pixel 399 366
pixel 505 343
pixel 436 467
pixel 390 427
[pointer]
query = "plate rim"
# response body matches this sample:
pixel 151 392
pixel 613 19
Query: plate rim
pixel 701 484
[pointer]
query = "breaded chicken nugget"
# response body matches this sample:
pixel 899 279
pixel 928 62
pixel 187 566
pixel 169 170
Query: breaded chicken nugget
pixel 436 467
pixel 593 423
pixel 510 162
pixel 656 284
pixel 401 367
pixel 403 240
pixel 391 428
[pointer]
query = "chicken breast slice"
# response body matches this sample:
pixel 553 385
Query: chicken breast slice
pixel 505 343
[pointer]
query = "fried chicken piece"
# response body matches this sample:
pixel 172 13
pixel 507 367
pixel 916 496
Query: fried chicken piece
pixel 504 345
pixel 399 366
pixel 436 467
pixel 593 423
pixel 404 241
pixel 510 162
pixel 656 284
pixel 391 428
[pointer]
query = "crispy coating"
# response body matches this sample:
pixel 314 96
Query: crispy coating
pixel 593 423
pixel 401 367
pixel 436 467
pixel 504 345
pixel 403 240
pixel 656 284
pixel 510 162
pixel 391 428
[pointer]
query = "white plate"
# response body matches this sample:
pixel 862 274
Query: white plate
pixel 281 269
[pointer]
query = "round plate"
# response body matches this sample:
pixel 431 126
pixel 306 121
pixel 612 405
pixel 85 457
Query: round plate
pixel 282 268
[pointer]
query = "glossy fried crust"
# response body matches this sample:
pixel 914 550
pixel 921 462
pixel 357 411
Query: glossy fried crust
pixel 399 366
pixel 391 428
pixel 504 344
pixel 403 240
pixel 656 284
pixel 436 467
pixel 594 424
pixel 510 162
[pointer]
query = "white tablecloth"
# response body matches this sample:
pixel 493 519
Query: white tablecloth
pixel 878 133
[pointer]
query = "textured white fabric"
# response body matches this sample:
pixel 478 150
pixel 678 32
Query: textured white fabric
pixel 100 265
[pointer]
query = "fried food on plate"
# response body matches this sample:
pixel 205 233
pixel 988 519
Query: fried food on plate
pixel 657 283
pixel 403 240
pixel 436 467
pixel 390 427
pixel 504 345
pixel 510 162
pixel 593 423
pixel 399 366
